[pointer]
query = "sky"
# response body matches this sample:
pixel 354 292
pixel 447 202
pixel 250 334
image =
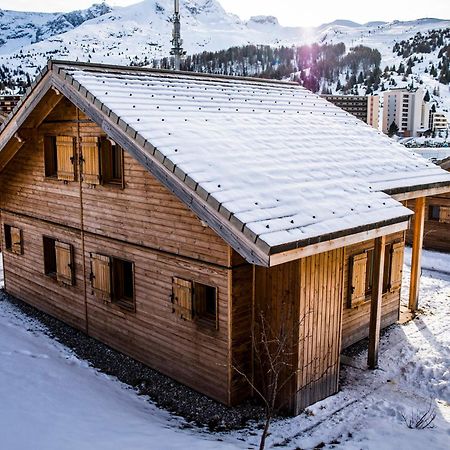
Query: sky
pixel 288 12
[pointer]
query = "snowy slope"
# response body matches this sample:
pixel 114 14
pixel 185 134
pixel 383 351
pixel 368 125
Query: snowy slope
pixel 63 403
pixel 143 30
pixel 19 29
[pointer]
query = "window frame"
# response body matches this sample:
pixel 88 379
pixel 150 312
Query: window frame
pixel 205 318
pixel 9 244
pixel 123 302
pixel 107 174
pixel 431 213
pixel 50 269
pixel 50 260
pixel 111 295
pixel 51 158
pixel 192 312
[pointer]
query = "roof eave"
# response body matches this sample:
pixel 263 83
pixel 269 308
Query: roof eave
pixel 319 244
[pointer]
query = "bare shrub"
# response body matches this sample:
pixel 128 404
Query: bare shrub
pixel 421 419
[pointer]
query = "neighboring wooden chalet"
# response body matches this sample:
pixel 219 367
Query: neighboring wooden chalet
pixel 437 219
pixel 163 213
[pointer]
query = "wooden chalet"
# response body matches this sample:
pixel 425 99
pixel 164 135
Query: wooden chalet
pixel 437 219
pixel 162 212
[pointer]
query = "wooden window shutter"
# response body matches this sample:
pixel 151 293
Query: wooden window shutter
pixel 64 263
pixel 358 279
pixel 396 266
pixel 16 241
pixel 91 160
pixel 444 214
pixel 182 298
pixel 101 275
pixel 65 149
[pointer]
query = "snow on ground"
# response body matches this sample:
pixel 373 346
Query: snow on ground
pixel 51 400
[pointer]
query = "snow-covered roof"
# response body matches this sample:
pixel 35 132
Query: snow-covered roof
pixel 280 164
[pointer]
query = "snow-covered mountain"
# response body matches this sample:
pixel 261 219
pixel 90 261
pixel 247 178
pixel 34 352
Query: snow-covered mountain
pixel 139 33
pixel 123 35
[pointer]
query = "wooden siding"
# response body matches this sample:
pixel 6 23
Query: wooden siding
pixel 25 277
pixel 320 319
pixel 143 223
pixel 277 294
pixel 355 322
pixel 437 234
pixel 190 352
pixel 242 302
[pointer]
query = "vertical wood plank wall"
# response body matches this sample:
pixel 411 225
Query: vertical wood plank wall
pixel 277 293
pixel 143 223
pixel 320 319
pixel 241 327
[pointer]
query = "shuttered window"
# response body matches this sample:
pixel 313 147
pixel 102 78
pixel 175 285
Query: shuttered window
pixel 357 291
pixel 65 149
pixel 396 266
pixel 64 263
pixel 113 280
pixel 50 157
pixel 182 298
pixel 444 214
pixel 101 275
pixel 91 160
pixel 111 157
pixel 195 301
pixel 205 305
pixel 123 283
pixel 59 261
pixel 13 239
pixel 362 269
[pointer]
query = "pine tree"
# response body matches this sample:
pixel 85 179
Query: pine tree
pixel 393 129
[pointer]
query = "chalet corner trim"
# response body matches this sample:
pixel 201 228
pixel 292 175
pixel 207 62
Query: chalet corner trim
pixel 343 241
pixel 126 137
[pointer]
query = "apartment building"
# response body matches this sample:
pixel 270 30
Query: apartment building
pixel 438 122
pixel 364 107
pixel 408 110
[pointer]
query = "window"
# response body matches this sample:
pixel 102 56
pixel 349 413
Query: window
pixel 122 283
pixel 111 162
pixel 112 280
pixel 433 212
pixel 59 261
pixel 205 304
pixel 13 239
pixel 362 269
pixel 195 301
pixel 102 161
pixel 444 214
pixel 59 157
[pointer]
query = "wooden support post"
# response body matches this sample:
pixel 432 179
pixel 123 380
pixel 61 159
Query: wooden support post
pixel 375 305
pixel 416 267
